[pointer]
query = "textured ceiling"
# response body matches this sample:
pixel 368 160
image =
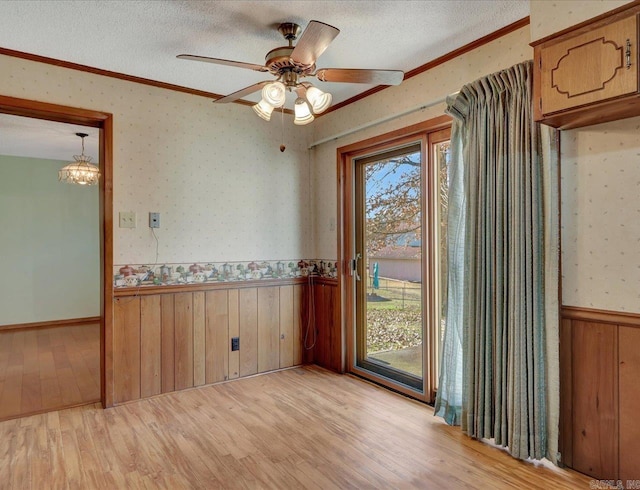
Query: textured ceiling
pixel 143 37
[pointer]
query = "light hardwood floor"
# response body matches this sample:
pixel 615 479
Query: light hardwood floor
pixel 48 368
pixel 299 428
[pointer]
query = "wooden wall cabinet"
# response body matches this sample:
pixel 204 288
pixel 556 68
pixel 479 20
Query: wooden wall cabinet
pixel 600 393
pixel 588 74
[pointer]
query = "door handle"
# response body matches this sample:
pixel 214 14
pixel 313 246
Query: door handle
pixel 354 266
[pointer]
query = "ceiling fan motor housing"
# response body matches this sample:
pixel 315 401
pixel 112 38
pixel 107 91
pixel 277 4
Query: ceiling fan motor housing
pixel 279 61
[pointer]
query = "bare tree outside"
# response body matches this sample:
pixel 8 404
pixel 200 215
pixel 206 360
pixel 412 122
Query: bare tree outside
pixel 393 207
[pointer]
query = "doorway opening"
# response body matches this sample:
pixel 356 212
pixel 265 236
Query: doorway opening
pixel 68 348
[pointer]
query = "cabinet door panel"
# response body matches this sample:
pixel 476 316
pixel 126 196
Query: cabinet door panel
pixel 595 427
pixel 629 372
pixel 590 67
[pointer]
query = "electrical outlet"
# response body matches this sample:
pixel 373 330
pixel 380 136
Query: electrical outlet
pixel 235 343
pixel 154 220
pixel 127 219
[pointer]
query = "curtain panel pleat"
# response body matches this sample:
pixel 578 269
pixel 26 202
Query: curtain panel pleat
pixel 493 374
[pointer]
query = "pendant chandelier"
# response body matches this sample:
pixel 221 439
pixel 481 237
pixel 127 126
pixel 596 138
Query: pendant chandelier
pixel 82 171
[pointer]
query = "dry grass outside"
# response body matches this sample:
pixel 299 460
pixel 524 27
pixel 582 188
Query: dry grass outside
pixel 394 325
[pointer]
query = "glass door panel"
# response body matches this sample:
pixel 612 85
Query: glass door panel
pixel 441 156
pixel 389 225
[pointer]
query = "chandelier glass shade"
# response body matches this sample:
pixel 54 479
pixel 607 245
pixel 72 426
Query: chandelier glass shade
pixel 263 109
pixel 311 100
pixel 274 94
pixel 81 171
pixel 319 100
pixel 302 112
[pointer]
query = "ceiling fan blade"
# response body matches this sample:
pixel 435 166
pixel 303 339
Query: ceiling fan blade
pixel 353 75
pixel 314 40
pixel 220 61
pixel 241 93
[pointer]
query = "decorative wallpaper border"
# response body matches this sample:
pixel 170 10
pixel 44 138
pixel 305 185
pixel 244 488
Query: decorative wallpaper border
pixel 140 275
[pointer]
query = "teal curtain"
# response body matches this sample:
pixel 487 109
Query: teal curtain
pixel 493 373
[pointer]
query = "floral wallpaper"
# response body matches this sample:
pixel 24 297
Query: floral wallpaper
pixel 184 273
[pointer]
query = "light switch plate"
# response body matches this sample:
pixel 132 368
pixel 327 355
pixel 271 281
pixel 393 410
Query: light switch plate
pixel 127 219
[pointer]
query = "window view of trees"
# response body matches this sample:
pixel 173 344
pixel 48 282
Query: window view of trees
pixel 393 202
pixel 393 232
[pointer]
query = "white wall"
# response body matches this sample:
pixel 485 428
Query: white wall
pixel 50 246
pixel 422 89
pixel 215 172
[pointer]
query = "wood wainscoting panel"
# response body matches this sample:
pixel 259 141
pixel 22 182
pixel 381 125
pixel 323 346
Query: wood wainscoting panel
pixel 171 341
pixel 328 349
pixel 286 326
pixel 565 443
pixel 629 372
pixel 217 336
pixel 234 331
pixel 595 399
pixel 297 325
pixel 126 349
pixel 168 343
pixel 199 351
pixel 150 346
pixel 248 308
pixel 268 329
pixel 183 334
pixel 320 324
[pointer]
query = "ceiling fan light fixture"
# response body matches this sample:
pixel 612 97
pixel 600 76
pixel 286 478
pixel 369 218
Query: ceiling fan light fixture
pixel 302 112
pixel 263 109
pixel 319 100
pixel 82 171
pixel 274 93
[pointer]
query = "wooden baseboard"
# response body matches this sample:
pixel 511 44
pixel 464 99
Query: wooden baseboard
pixel 601 316
pixel 49 324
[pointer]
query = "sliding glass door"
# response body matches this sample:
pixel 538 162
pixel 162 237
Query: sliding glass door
pixel 397 237
pixel 389 316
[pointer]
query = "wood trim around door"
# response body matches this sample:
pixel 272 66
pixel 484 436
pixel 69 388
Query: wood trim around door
pixel 345 221
pixel 104 121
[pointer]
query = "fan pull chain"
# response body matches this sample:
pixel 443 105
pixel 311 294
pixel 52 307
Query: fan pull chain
pixel 282 147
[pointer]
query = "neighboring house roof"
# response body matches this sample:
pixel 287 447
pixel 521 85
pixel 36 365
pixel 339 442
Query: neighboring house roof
pixel 395 252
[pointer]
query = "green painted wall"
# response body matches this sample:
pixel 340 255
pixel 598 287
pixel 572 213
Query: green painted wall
pixel 49 244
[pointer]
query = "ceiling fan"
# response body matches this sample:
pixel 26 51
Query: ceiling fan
pixel 291 64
